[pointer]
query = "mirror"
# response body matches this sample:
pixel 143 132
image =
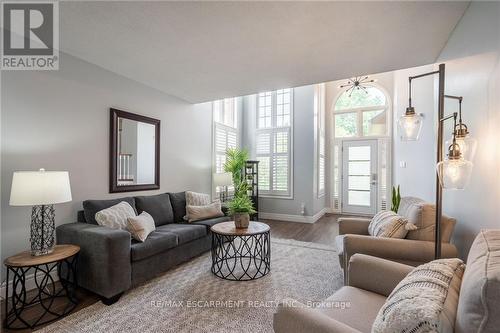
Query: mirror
pixel 134 152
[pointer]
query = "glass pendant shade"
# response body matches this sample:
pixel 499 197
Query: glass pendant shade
pixel 454 173
pixel 467 145
pixel 410 126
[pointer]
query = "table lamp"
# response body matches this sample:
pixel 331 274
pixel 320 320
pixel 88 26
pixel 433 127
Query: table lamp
pixel 40 189
pixel 223 180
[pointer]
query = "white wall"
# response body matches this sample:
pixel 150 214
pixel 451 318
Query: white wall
pixel 59 120
pixel 472 71
pixel 303 154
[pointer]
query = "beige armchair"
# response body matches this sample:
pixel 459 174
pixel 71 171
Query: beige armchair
pixel 372 279
pixel 417 248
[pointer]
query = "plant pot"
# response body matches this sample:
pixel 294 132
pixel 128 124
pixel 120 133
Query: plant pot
pixel 241 220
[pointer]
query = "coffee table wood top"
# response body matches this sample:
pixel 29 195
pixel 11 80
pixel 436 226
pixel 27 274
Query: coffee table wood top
pixel 25 259
pixel 229 229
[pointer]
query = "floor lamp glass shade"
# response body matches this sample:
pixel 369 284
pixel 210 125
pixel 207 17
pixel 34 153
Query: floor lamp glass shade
pixel 410 126
pixel 467 146
pixel 40 189
pixel 454 174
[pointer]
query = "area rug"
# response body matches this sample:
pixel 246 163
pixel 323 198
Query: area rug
pixel 189 298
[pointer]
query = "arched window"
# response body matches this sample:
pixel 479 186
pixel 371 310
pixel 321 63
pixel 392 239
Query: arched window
pixel 361 113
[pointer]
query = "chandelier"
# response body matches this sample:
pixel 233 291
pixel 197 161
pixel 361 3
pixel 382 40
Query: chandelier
pixel 357 83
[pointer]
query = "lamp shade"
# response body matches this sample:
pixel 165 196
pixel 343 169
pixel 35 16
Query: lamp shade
pixel 454 174
pixel 31 188
pixel 467 146
pixel 223 179
pixel 410 126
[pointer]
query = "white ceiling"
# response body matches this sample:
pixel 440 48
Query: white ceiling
pixel 201 51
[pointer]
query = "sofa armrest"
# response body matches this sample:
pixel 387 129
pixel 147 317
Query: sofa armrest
pixel 294 317
pixel 353 225
pixel 410 251
pixel 375 274
pixel 104 260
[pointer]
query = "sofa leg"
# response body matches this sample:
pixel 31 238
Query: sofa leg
pixel 111 300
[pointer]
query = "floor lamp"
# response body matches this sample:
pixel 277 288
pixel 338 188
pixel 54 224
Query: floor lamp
pixel 453 172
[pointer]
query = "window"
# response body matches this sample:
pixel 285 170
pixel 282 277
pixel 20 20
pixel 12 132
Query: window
pixel 225 131
pixel 274 142
pixel 320 132
pixel 361 114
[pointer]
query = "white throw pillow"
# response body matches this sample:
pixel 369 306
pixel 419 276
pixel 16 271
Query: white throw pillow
pixel 426 300
pixel 141 226
pixel 196 213
pixel 389 224
pixel 195 199
pixel 116 216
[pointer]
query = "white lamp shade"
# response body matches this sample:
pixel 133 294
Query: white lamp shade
pixel 223 179
pixel 30 188
pixel 410 126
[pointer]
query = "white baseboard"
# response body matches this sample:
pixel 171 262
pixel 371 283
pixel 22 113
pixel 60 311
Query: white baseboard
pixel 294 218
pixel 30 283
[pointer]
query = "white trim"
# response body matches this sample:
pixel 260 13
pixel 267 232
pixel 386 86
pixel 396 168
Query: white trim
pixel 294 218
pixel 30 283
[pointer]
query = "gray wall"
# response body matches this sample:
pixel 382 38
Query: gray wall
pixel 472 71
pixel 59 120
pixel 303 154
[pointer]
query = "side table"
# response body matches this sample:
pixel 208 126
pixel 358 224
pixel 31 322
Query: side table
pixel 63 260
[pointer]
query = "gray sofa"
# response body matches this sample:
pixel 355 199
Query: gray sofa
pixel 110 262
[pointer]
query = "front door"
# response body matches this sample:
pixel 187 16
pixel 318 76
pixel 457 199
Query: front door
pixel 359 177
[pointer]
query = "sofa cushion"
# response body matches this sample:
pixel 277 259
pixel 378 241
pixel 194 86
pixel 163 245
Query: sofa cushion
pixel 141 226
pixel 184 232
pixel 354 307
pixel 158 241
pixel 198 213
pixel 479 304
pixel 426 300
pixel 158 206
pixel 91 207
pixel 178 202
pixel 211 222
pixel 115 217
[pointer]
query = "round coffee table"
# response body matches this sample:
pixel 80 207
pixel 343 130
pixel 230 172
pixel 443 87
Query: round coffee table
pixel 241 254
pixel 63 261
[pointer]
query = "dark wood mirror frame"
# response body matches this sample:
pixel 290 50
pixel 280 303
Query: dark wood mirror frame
pixel 113 152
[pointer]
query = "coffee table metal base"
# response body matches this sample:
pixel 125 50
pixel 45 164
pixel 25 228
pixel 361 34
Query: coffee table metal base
pixel 241 257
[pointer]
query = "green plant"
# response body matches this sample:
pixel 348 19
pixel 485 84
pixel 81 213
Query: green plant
pixel 235 164
pixel 396 199
pixel 241 204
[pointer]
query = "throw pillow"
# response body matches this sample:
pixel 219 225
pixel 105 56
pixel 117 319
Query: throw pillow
pixel 195 199
pixel 426 300
pixel 389 224
pixel 141 226
pixel 116 216
pixel 196 213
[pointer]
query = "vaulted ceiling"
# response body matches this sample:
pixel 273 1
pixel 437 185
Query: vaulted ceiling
pixel 201 51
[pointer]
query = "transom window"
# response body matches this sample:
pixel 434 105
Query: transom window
pixel 225 130
pixel 274 142
pixel 361 113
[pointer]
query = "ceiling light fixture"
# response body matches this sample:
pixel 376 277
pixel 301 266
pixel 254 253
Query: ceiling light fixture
pixel 357 83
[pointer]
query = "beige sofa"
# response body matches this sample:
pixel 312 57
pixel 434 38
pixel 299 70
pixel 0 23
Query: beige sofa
pixel 418 246
pixel 353 308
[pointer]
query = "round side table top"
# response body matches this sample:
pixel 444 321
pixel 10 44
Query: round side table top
pixel 229 229
pixel 25 259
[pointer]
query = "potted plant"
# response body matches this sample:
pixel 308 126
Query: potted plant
pixel 396 199
pixel 240 208
pixel 235 164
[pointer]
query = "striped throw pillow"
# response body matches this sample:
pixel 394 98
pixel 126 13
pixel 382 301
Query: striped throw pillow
pixel 389 224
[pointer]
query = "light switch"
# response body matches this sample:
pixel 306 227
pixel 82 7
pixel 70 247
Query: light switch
pixel 402 164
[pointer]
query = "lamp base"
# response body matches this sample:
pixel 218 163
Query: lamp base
pixel 42 227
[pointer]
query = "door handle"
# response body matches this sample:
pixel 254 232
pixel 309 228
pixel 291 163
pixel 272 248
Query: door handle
pixel 373 179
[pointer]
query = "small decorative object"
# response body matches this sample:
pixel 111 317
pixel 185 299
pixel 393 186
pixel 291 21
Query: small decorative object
pixel 223 180
pixel 40 189
pixel 240 208
pixel 357 83
pixel 396 199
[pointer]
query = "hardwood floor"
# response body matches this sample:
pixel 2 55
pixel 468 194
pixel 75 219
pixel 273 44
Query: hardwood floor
pixel 323 231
